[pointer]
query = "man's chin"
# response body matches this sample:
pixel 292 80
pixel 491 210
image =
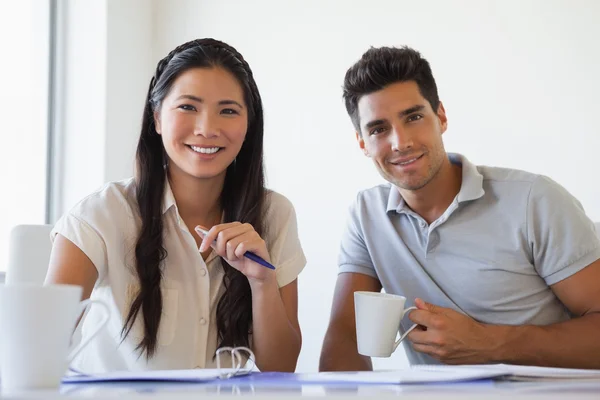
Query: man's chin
pixel 411 185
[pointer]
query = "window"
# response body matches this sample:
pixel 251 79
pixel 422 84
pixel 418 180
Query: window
pixel 24 45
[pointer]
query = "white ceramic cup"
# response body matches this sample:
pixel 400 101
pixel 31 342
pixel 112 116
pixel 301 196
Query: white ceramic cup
pixel 378 317
pixel 37 322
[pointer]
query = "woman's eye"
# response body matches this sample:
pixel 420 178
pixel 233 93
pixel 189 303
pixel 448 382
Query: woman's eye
pixel 229 111
pixel 414 117
pixel 187 107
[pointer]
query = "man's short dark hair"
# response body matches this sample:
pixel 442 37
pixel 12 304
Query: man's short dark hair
pixel 383 66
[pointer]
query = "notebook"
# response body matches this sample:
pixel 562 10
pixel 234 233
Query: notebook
pixel 186 375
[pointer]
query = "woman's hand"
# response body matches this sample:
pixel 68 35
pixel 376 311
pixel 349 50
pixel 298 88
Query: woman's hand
pixel 231 241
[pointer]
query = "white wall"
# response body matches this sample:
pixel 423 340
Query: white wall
pixel 107 68
pixel 518 79
pixel 129 68
pixel 83 113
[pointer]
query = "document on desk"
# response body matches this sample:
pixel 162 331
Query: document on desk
pixel 424 374
pixel 403 376
pixel 184 375
pixel 418 374
pixel 530 373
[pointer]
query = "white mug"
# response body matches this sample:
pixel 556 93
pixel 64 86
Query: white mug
pixel 378 317
pixel 37 322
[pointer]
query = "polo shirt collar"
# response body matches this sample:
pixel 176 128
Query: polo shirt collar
pixel 471 187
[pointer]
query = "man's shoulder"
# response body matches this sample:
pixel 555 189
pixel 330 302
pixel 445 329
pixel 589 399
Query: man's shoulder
pixel 531 183
pixel 374 195
pixel 506 175
pixel 371 204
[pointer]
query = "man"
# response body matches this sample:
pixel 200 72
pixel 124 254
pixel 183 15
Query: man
pixel 503 265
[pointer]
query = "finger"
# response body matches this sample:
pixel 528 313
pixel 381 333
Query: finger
pixel 427 349
pixel 228 239
pixel 420 336
pixel 421 304
pixel 254 243
pixel 235 242
pixel 213 235
pixel 422 317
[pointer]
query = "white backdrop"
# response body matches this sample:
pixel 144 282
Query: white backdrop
pixel 518 80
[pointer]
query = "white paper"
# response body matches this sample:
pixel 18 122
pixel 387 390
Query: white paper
pixel 522 372
pixel 446 373
pixel 411 375
pixel 417 374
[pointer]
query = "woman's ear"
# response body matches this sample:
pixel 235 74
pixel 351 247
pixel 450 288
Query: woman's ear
pixel 157 122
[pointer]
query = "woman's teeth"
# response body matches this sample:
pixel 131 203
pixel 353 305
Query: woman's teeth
pixel 205 150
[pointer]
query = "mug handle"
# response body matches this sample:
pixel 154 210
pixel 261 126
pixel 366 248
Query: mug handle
pixel 85 304
pixel 407 331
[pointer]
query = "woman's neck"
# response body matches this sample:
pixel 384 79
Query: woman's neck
pixel 198 200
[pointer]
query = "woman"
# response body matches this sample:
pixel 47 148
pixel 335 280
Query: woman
pixel 176 296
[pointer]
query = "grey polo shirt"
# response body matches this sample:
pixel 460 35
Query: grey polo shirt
pixel 507 236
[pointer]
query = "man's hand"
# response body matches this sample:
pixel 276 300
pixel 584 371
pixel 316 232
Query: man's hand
pixel 451 337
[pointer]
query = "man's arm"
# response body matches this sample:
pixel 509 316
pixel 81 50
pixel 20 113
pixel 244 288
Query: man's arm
pixel 573 343
pixel 455 338
pixel 340 352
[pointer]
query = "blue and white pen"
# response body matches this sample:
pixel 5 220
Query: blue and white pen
pixel 250 255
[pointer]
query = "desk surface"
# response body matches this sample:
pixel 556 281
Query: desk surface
pixel 474 390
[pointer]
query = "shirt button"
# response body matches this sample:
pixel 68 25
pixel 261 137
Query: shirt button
pixel 422 224
pixel 203 272
pixel 202 321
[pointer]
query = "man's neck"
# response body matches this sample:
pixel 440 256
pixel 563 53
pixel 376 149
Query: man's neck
pixel 198 200
pixel 433 199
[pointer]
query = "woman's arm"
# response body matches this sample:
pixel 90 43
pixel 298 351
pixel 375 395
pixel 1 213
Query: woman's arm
pixel 70 265
pixel 276 332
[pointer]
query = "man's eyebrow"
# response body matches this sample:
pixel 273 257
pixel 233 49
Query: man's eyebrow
pixel 403 113
pixel 410 110
pixel 375 122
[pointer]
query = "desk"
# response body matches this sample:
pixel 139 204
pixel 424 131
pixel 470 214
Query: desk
pixel 243 386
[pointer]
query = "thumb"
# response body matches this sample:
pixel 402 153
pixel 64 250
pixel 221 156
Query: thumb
pixel 423 305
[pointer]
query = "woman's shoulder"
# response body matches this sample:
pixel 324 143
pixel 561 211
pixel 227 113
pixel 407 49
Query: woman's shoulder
pixel 277 205
pixel 280 215
pixel 113 200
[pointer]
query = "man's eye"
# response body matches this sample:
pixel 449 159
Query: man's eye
pixel 377 131
pixel 414 117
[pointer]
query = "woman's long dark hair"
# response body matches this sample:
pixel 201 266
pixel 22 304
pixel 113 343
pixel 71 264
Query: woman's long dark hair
pixel 242 198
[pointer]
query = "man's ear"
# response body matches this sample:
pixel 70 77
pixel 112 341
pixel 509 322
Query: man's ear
pixel 361 143
pixel 156 116
pixel 441 113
